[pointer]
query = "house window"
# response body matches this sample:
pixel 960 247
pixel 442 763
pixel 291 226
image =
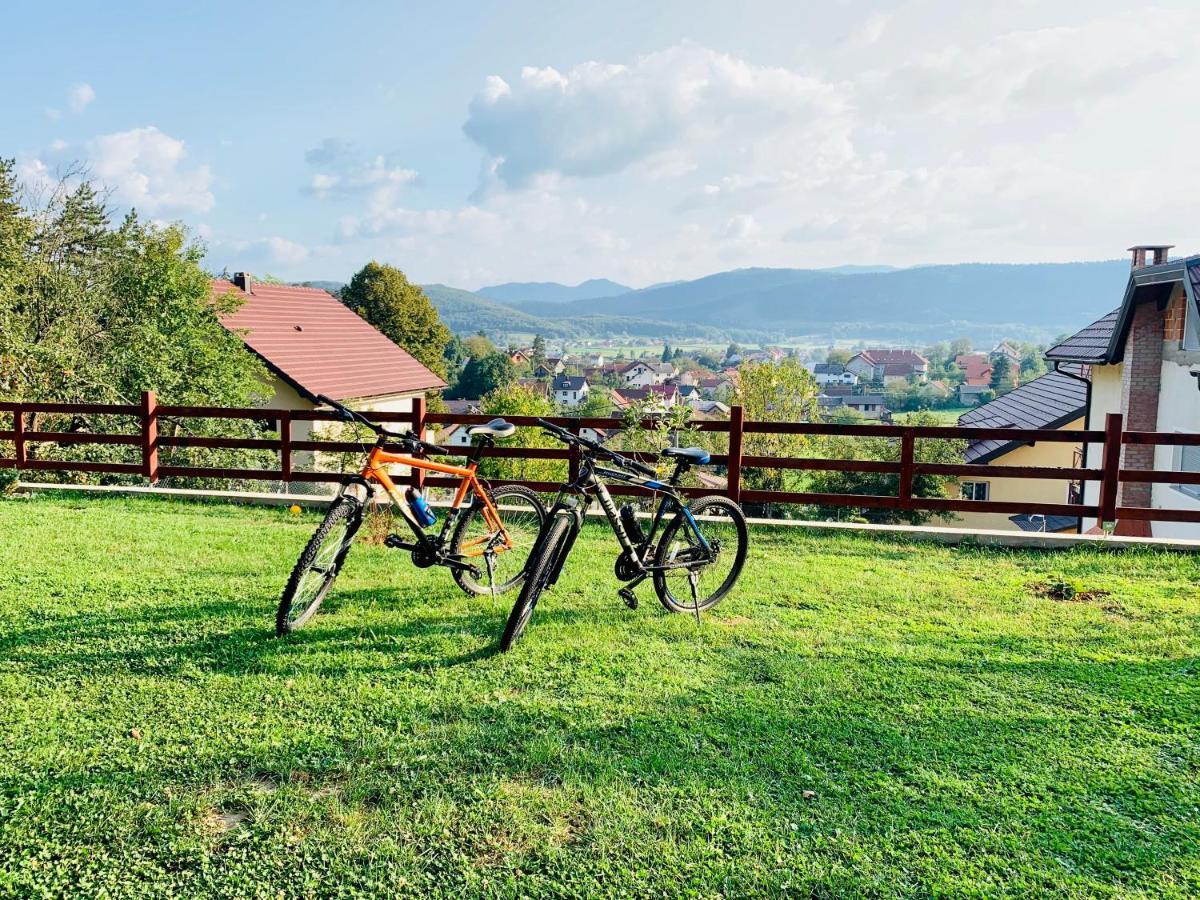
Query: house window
pixel 1187 459
pixel 975 490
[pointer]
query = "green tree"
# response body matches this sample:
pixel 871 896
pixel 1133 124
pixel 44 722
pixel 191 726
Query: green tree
pixel 383 296
pixel 886 449
pixel 483 375
pixel 775 392
pixel 518 400
pixel 666 353
pixel 959 346
pixel 478 345
pixel 838 356
pixel 538 356
pixel 1002 374
pixel 92 313
pixel 1033 364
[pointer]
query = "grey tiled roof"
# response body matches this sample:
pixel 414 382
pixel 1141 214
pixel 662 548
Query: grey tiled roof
pixel 1029 522
pixel 569 383
pixel 1047 402
pixel 1090 344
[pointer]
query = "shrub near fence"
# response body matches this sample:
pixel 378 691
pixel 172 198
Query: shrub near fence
pixel 150 444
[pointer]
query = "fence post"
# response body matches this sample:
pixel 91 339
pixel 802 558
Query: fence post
pixel 1110 465
pixel 907 445
pixel 573 454
pixel 285 446
pixel 19 436
pixel 416 477
pixel 150 436
pixel 733 468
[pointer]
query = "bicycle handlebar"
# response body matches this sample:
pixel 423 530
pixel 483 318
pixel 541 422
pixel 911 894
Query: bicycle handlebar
pixel 349 415
pixel 570 437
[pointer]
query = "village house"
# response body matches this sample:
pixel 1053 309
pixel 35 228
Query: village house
pixel 872 406
pixel 882 366
pixel 720 388
pixel 1056 400
pixel 970 394
pixel 657 397
pixel 313 344
pixel 1005 348
pixel 833 373
pixel 976 368
pixel 570 390
pixel 548 369
pixel 1144 358
pixel 642 373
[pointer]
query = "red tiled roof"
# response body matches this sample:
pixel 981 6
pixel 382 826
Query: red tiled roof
pixel 321 346
pixel 976 368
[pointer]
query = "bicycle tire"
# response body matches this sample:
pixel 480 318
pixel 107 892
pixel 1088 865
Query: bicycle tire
pixel 466 580
pixel 344 510
pixel 542 563
pixel 668 551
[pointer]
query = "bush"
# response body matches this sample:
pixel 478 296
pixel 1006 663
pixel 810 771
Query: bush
pixel 8 482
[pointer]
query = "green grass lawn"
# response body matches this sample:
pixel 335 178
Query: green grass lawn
pixel 863 716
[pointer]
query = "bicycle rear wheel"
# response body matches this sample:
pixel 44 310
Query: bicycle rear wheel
pixel 541 565
pixel 318 565
pixel 700 576
pixel 521 514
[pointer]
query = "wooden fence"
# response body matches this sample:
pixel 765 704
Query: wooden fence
pixel 150 441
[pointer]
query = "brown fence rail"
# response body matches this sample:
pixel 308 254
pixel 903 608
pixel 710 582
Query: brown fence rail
pixel 1110 475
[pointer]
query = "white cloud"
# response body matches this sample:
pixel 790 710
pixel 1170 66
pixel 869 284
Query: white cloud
pixel 147 169
pixel 80 96
pixel 928 135
pixel 342 170
pixel 599 119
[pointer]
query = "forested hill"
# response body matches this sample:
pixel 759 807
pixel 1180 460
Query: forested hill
pixel 978 300
pixel 1028 300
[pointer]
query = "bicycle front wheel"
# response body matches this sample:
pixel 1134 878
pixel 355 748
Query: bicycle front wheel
pixel 699 571
pixel 318 565
pixel 476 536
pixel 540 567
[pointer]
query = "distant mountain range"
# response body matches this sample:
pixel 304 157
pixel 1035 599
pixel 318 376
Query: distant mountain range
pixel 981 301
pixel 552 291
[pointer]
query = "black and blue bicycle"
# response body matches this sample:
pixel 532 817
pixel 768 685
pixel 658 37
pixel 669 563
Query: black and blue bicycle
pixel 693 551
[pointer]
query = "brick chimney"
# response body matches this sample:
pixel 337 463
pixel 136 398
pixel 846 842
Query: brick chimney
pixel 1139 254
pixel 244 282
pixel 1141 383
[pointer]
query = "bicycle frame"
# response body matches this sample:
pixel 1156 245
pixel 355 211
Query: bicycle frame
pixel 588 485
pixel 375 469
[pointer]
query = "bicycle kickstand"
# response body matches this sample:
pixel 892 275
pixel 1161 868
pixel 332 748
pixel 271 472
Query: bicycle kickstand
pixel 490 560
pixel 695 599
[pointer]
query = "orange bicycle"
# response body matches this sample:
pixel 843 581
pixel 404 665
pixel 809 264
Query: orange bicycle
pixel 495 529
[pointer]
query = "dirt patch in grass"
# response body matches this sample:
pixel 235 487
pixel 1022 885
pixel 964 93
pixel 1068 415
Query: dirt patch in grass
pixel 1068 592
pixel 221 821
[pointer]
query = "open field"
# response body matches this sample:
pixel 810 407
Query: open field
pixel 863 717
pixel 943 416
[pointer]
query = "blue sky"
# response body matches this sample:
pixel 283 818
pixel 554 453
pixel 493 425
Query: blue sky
pixel 472 143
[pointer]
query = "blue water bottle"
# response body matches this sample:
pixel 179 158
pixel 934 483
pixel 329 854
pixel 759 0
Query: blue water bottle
pixel 420 508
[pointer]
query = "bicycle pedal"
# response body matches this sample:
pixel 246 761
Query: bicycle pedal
pixel 396 542
pixel 629 597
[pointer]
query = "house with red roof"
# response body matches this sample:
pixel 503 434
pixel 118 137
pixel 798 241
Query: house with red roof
pixel 313 344
pixel 976 368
